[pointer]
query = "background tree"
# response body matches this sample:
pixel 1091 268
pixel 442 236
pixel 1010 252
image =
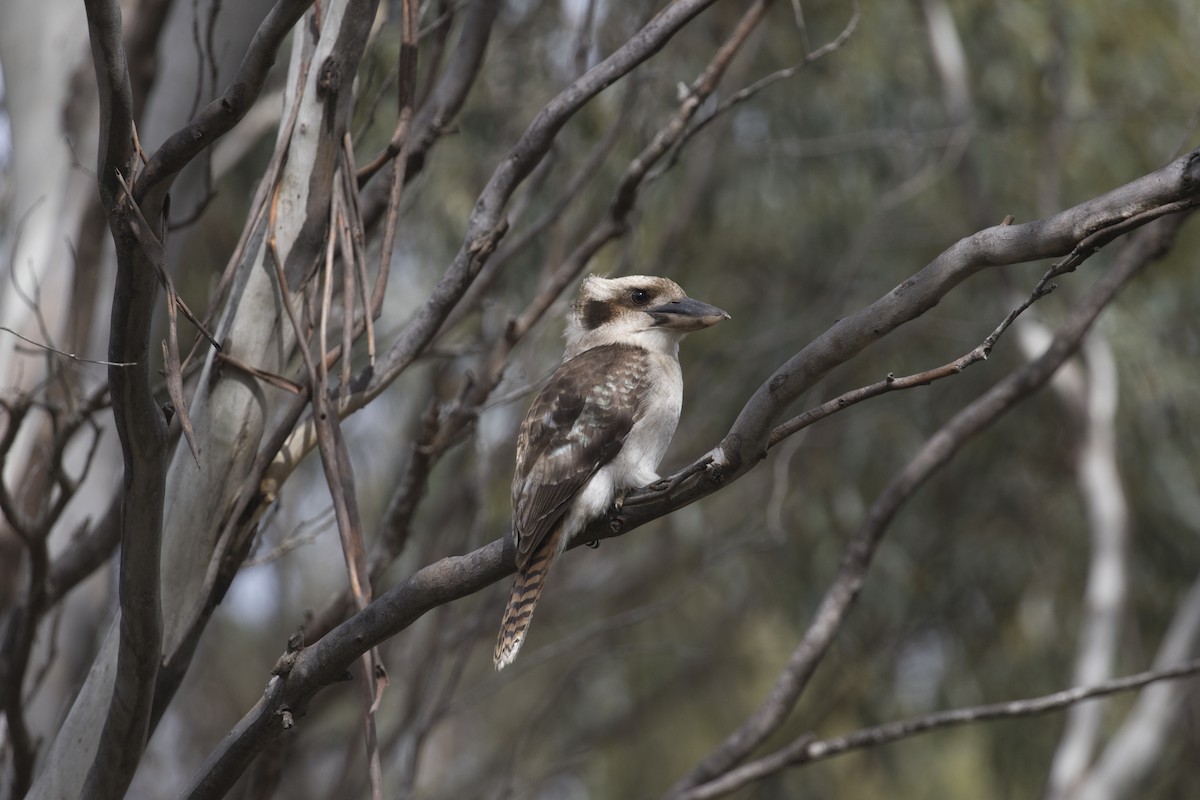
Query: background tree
pixel 286 269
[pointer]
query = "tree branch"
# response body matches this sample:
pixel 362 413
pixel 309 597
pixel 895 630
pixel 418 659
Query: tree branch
pixel 305 673
pixel 140 427
pixel 1088 391
pixel 1135 746
pixel 806 749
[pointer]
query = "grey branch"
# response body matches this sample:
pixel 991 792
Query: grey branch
pixel 807 749
pixel 140 427
pixel 64 354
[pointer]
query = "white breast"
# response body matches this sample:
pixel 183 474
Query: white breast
pixel 637 463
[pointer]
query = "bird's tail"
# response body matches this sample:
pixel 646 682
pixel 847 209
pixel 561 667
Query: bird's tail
pixel 527 588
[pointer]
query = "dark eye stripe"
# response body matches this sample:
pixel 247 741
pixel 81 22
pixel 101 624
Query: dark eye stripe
pixel 596 313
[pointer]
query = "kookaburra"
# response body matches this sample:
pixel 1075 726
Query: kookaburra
pixel 600 426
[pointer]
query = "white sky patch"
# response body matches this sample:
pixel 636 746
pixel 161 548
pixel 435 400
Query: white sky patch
pixel 253 597
pixel 920 669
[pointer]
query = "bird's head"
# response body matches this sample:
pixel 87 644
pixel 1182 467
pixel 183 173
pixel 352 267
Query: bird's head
pixel 643 310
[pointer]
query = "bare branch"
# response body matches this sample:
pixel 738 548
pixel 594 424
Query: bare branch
pixel 140 427
pixel 1135 747
pixel 16 644
pixel 807 749
pixel 31 517
pixel 891 383
pixel 326 661
pixel 744 94
pixel 72 356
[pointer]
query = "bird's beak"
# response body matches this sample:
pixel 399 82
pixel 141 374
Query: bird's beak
pixel 686 315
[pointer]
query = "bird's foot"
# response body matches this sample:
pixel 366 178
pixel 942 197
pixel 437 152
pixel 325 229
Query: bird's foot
pixel 660 485
pixel 666 485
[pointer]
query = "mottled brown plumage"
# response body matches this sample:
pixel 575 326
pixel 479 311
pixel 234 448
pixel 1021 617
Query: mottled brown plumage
pixel 599 426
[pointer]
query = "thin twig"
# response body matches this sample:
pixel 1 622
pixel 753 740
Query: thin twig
pixel 744 94
pixel 891 383
pixel 65 354
pixel 278 381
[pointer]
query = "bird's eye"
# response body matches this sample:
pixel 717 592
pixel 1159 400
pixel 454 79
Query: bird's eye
pixel 639 297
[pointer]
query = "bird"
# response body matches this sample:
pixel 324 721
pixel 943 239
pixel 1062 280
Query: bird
pixel 599 427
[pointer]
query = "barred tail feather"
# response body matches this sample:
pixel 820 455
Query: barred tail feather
pixel 527 588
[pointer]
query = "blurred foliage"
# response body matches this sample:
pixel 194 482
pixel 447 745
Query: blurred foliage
pixel 803 204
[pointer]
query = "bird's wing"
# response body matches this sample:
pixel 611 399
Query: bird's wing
pixel 576 425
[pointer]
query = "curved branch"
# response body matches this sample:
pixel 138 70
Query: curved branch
pixel 806 749
pixel 1059 235
pixel 302 675
pixel 140 427
pixel 1091 399
pixel 1142 736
